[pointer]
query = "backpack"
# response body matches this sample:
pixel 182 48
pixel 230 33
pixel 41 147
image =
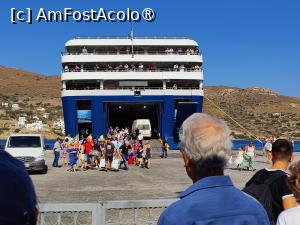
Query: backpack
pixel 260 190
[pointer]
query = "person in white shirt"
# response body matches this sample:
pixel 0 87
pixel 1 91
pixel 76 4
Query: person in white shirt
pixel 268 152
pixel 182 68
pixel 292 216
pixel 66 68
pixel 140 138
pixel 197 68
pixel 84 51
pixel 141 67
pixel 175 67
pixel 126 67
pixel 249 158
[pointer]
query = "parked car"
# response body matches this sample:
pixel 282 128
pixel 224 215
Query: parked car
pixel 28 148
pixel 144 127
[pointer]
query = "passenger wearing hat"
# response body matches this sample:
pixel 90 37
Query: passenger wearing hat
pixel 268 152
pixel 73 149
pixel 17 194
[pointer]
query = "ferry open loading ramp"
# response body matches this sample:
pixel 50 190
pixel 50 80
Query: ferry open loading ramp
pixel 120 114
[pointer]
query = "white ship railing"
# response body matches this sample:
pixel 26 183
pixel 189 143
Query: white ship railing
pixel 129 53
pixel 104 213
pixel 131 70
pixel 130 88
pixel 129 37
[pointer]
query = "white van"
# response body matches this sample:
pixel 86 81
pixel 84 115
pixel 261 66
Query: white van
pixel 28 148
pixel 144 127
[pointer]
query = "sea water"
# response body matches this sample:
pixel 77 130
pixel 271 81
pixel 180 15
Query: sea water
pixel 236 144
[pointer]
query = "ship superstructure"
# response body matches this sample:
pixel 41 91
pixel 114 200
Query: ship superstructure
pixel 111 81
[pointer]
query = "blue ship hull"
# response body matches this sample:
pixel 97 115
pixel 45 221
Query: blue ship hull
pixel 170 115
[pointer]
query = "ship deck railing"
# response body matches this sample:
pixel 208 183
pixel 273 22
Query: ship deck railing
pixel 134 37
pixel 131 70
pixel 132 89
pixel 129 53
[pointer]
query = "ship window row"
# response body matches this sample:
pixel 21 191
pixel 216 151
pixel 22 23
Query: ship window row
pixel 140 67
pixel 131 84
pixel 126 50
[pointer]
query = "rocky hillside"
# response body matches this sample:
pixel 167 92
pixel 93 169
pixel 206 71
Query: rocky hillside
pixel 20 84
pixel 259 111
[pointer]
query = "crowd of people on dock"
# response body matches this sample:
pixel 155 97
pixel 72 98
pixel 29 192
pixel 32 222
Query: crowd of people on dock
pixel 270 197
pixel 116 149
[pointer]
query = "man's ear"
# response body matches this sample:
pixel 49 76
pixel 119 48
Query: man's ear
pixel 186 159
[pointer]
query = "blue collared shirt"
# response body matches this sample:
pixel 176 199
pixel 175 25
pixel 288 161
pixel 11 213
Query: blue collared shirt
pixel 214 201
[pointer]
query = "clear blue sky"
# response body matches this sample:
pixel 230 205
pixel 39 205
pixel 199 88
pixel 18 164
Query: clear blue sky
pixel 244 42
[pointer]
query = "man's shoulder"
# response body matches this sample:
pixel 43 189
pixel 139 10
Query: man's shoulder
pixel 290 215
pixel 205 195
pixel 238 202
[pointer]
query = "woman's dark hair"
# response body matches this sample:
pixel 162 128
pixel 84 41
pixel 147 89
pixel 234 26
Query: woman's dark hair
pixel 294 180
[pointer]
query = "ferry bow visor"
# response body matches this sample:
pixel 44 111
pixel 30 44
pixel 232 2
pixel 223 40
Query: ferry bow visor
pixel 68 14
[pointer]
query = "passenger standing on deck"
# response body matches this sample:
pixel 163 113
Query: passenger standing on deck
pixel 102 143
pixel 88 147
pixel 82 153
pixel 249 158
pixel 240 157
pixel 115 141
pixel 147 154
pixel 65 154
pixel 73 149
pixel 95 153
pixel 57 148
pixel 84 51
pixel 109 154
pixel 125 148
pixel 140 138
pixel 164 150
pixel 275 179
pixel 268 152
pixel 111 131
pixel 140 155
pixel 292 216
pixel 135 151
pixel 212 199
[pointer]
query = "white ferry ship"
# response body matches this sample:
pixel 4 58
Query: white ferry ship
pixel 111 81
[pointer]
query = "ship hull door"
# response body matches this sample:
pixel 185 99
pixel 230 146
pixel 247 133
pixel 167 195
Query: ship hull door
pixel 182 111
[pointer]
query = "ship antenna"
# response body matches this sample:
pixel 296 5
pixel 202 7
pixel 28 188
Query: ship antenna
pixel 131 38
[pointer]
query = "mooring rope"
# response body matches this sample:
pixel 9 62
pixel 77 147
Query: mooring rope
pixel 219 108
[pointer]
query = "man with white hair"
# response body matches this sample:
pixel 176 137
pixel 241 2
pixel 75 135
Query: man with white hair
pixel 212 199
